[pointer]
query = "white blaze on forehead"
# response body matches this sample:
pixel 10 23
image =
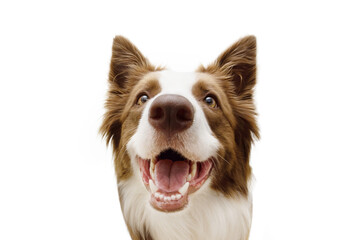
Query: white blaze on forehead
pixel 177 83
pixel 197 142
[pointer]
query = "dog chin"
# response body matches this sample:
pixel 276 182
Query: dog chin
pixel 170 178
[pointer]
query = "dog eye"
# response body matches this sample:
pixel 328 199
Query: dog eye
pixel 142 99
pixel 210 101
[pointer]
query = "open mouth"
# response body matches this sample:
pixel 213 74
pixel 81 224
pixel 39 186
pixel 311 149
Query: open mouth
pixel 170 178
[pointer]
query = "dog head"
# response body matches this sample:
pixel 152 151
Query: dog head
pixel 175 131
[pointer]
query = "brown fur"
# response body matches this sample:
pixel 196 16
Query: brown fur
pixel 128 66
pixel 230 79
pixel 234 74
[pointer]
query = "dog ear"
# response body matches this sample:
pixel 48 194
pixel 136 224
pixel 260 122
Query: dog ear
pixel 236 68
pixel 125 59
pixel 126 68
pixel 238 64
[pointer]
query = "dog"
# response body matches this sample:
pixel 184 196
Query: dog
pixel 181 143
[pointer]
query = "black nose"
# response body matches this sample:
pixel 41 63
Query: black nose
pixel 171 114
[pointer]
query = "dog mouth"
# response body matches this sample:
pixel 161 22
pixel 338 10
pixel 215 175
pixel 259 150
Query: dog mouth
pixel 170 178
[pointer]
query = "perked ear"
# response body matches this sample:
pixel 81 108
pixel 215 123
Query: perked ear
pixel 126 68
pixel 236 68
pixel 238 63
pixel 125 58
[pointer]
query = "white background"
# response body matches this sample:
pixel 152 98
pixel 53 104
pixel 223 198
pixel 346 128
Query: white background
pixel 56 175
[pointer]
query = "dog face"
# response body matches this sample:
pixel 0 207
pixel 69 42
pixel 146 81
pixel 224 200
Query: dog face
pixel 176 131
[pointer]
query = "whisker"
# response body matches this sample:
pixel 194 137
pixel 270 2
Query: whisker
pixel 223 159
pixel 215 164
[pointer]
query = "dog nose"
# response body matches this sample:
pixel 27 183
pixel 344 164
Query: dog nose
pixel 171 114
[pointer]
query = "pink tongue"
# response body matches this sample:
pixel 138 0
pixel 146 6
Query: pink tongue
pixel 169 175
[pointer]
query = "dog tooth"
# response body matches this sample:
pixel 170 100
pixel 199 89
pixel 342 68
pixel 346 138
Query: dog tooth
pixel 193 169
pixel 151 164
pixel 173 197
pixel 161 196
pixel 167 199
pixel 178 196
pixel 188 179
pixel 184 188
pixel 157 195
pixel 153 187
pixel 152 173
pixel 152 168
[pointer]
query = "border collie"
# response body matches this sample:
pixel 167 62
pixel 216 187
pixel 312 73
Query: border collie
pixel 181 143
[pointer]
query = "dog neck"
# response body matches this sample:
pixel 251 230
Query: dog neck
pixel 210 215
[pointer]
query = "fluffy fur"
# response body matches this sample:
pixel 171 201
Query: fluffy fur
pixel 221 208
pixel 210 215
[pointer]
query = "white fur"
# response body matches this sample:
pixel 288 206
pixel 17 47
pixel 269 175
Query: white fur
pixel 198 141
pixel 209 214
